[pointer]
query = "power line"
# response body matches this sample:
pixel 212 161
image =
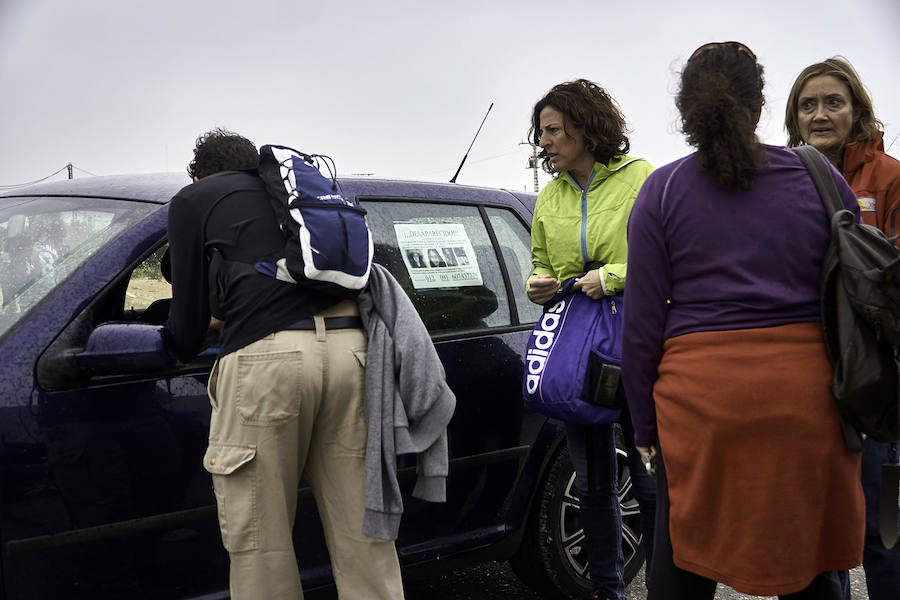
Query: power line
pixel 85 172
pixel 892 143
pixel 68 166
pixel 487 158
pixel 16 185
pixel 480 160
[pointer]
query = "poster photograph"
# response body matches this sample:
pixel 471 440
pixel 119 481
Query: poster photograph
pixel 438 255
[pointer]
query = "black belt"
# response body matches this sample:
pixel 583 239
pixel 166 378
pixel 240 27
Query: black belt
pixel 330 323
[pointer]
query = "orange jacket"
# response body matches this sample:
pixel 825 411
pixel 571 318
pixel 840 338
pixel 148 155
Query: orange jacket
pixel 875 177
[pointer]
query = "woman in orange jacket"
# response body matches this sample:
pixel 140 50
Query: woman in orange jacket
pixel 829 109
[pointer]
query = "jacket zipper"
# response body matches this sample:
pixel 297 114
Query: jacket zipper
pixel 584 254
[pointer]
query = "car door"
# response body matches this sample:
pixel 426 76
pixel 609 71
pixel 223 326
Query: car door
pixel 470 297
pixel 119 505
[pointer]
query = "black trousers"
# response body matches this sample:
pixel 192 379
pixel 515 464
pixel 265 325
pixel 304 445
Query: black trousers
pixel 668 582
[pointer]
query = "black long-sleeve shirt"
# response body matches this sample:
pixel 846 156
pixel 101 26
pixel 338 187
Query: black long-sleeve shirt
pixel 243 226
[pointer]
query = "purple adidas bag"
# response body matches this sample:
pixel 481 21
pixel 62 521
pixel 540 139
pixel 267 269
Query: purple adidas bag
pixel 573 358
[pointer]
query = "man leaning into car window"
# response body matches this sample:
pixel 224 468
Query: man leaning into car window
pixel 286 390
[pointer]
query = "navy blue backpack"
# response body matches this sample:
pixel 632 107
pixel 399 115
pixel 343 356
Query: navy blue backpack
pixel 573 359
pixel 328 244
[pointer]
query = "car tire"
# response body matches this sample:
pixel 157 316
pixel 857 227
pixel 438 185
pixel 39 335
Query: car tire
pixel 552 559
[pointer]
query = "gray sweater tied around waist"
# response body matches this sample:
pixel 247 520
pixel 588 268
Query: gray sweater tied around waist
pixel 408 404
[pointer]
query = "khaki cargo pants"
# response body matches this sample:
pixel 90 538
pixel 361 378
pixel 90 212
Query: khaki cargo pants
pixel 291 404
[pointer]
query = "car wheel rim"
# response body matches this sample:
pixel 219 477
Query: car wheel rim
pixel 571 534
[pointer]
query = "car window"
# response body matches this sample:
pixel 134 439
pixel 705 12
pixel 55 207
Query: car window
pixel 149 292
pixel 44 240
pixel 515 244
pixel 443 257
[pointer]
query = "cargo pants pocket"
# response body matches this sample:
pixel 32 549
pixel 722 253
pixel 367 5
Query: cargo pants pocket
pixel 211 385
pixel 234 476
pixel 268 386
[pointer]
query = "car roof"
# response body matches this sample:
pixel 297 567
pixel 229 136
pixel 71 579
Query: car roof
pixel 160 187
pixel 149 187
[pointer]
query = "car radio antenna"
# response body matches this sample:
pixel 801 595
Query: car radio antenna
pixel 472 144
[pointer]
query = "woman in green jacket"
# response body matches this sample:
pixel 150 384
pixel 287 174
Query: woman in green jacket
pixel 579 226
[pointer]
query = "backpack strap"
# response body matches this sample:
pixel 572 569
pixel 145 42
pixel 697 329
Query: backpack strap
pixel 215 259
pixel 821 175
pixel 887 502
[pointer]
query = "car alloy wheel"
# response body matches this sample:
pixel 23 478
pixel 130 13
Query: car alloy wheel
pixel 571 534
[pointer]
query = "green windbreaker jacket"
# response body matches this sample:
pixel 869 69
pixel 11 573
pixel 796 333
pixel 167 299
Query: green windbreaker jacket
pixel 573 229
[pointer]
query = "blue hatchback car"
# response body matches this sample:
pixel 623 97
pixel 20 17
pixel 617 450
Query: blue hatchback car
pixel 102 432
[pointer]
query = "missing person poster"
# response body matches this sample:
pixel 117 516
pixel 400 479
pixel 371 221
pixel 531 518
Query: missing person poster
pixel 438 255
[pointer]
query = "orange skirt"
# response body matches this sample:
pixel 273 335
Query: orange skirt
pixel 764 494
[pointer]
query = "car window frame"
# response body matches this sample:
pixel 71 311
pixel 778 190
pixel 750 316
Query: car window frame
pixel 35 307
pixel 203 363
pixel 515 321
pixel 70 337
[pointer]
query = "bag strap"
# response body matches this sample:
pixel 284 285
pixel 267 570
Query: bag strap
pixel 214 263
pixel 312 160
pixel 821 175
pixel 888 510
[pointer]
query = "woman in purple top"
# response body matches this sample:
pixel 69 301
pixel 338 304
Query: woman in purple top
pixel 724 360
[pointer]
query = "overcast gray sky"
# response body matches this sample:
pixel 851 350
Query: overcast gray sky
pixel 393 88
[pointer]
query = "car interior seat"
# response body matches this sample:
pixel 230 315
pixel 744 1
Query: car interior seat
pixel 158 311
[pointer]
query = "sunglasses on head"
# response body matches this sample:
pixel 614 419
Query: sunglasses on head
pixel 736 45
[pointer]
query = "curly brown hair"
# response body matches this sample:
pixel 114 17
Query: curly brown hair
pixel 720 100
pixel 865 125
pixel 222 150
pixel 586 106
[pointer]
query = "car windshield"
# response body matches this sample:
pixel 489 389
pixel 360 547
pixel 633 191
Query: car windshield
pixel 44 240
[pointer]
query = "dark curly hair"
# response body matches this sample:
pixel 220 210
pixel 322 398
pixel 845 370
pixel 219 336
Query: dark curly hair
pixel 586 106
pixel 865 125
pixel 222 150
pixel 720 101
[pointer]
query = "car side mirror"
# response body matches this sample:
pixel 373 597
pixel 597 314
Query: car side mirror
pixel 120 348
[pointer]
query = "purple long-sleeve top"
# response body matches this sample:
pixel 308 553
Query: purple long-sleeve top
pixel 702 258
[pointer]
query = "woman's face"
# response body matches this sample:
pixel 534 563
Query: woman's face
pixel 565 150
pixel 825 114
